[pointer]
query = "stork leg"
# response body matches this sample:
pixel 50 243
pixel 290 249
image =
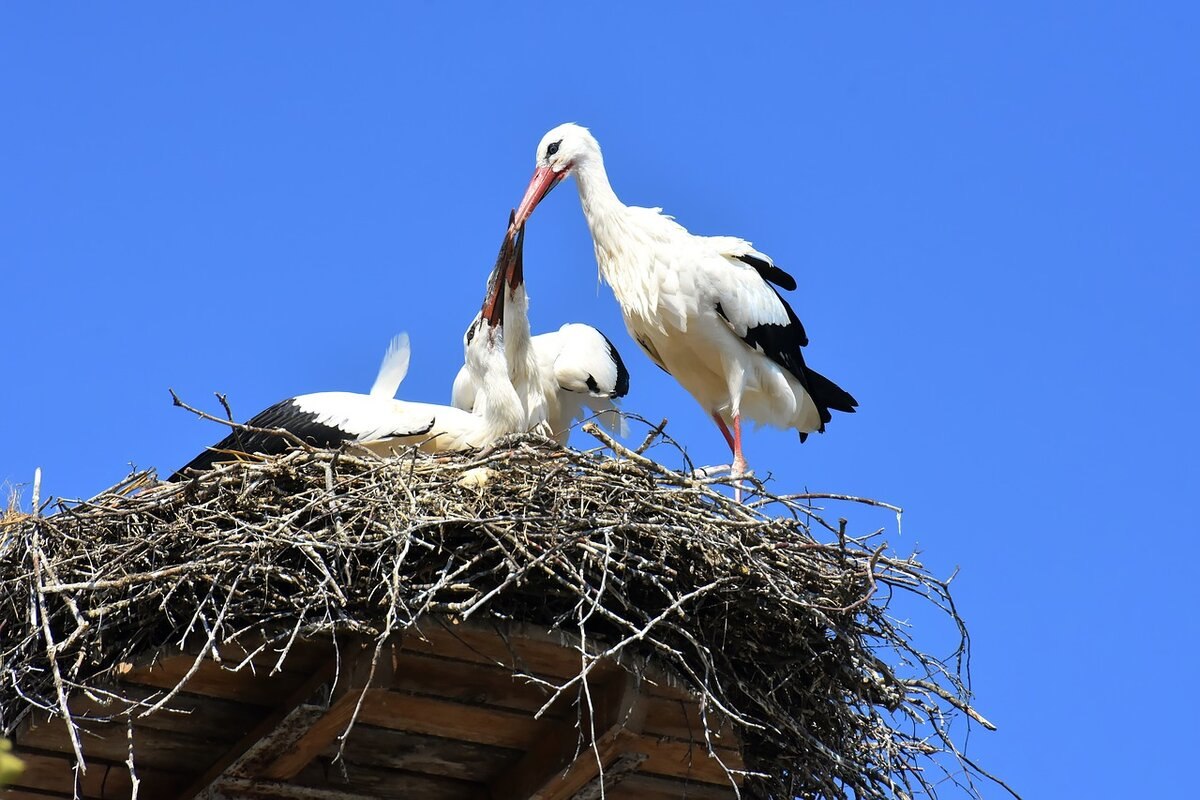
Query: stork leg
pixel 739 461
pixel 709 472
pixel 724 431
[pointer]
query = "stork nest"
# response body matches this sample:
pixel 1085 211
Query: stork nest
pixel 776 616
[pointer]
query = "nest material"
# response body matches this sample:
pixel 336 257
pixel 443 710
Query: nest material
pixel 776 618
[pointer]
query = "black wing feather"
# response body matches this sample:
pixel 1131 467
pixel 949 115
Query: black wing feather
pixel 782 343
pixel 622 386
pixel 769 272
pixel 284 414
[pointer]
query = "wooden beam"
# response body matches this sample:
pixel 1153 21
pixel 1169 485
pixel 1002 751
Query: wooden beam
pixel 372 746
pixel 109 741
pixel 468 723
pixel 689 760
pixel 373 782
pixel 681 719
pixel 263 729
pixel 213 679
pixel 323 781
pixel 615 774
pixel 195 715
pixel 556 767
pixel 519 646
pixel 361 669
pixel 467 682
pixel 53 774
pixel 651 787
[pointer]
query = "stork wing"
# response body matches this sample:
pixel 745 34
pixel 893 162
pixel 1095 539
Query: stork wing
pixel 760 317
pixel 733 247
pixel 325 419
pixel 365 418
pixel 755 310
pixel 393 368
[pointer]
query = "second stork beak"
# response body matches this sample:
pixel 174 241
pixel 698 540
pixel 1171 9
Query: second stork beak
pixel 508 269
pixel 516 273
pixel 544 179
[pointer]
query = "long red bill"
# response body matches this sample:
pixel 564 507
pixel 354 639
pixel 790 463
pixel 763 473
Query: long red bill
pixel 516 274
pixel 544 179
pixel 508 269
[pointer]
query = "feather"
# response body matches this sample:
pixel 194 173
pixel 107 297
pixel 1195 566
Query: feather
pixel 393 367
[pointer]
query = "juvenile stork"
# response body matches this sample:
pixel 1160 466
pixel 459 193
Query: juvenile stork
pixel 704 308
pixel 381 424
pixel 557 375
pixel 580 372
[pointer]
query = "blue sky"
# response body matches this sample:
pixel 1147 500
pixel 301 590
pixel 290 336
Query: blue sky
pixel 992 214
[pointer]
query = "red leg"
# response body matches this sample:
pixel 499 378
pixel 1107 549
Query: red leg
pixel 739 461
pixel 724 431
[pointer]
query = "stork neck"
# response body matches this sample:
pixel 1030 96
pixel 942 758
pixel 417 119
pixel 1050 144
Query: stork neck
pixel 499 405
pixel 595 192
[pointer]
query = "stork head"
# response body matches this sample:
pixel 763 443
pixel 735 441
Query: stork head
pixel 561 150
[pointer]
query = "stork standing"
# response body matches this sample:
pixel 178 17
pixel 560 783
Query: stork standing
pixel 378 423
pixel 581 373
pixel 704 308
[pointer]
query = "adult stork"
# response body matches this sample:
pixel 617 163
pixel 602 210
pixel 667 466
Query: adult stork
pixel 581 374
pixel 381 424
pixel 704 308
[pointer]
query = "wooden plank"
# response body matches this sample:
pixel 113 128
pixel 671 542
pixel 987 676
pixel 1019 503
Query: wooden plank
pixel 165 750
pixel 235 788
pixel 303 656
pixel 555 768
pixel 373 746
pixel 448 719
pixel 614 773
pixel 467 643
pixel 267 725
pixel 680 719
pixel 214 680
pixel 361 669
pixel 193 714
pixel 373 782
pixel 532 649
pixel 29 794
pixel 676 759
pixel 467 682
pixel 53 774
pixel 652 787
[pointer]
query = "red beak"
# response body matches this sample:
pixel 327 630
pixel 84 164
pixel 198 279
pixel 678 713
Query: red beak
pixel 516 275
pixel 493 302
pixel 544 179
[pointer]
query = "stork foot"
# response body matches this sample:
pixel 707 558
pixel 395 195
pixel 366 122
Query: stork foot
pixel 737 472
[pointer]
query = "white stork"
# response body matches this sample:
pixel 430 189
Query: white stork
pixel 581 374
pixel 552 372
pixel 703 308
pixel 381 424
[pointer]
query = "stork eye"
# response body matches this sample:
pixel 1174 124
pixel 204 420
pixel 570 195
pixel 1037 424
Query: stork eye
pixel 471 331
pixel 552 149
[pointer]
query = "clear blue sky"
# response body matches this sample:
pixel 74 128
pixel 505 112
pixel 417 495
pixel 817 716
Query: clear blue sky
pixel 993 216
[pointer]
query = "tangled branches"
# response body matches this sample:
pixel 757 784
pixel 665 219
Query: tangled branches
pixel 774 616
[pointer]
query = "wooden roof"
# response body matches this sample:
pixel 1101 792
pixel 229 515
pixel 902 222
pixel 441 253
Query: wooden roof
pixel 441 715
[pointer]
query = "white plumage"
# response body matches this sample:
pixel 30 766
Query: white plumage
pixel 381 424
pixel 702 307
pixel 580 374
